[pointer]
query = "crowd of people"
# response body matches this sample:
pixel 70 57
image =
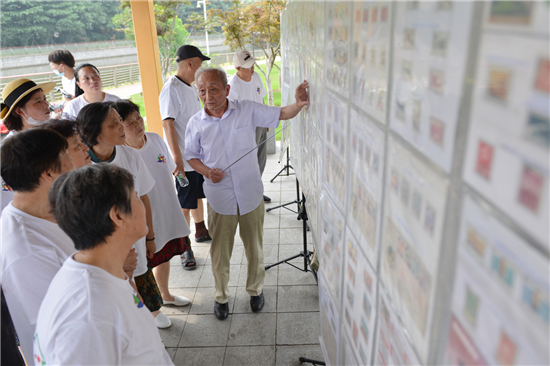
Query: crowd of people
pixel 94 207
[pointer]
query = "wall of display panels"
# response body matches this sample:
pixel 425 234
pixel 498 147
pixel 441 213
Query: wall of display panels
pixel 424 159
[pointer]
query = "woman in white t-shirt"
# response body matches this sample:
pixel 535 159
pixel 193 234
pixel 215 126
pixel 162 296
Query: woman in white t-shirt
pixel 171 228
pixel 87 90
pixel 102 131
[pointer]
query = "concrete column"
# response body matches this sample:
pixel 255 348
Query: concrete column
pixel 145 31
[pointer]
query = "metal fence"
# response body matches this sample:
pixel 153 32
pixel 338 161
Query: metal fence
pixel 111 77
pixel 73 47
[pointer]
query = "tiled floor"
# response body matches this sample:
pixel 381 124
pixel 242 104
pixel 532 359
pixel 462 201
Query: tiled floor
pixel 287 327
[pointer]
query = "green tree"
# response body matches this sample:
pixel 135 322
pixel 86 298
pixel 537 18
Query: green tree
pixel 26 23
pixel 256 24
pixel 171 31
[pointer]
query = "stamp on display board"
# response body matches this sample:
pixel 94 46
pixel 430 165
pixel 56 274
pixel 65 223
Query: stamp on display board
pixel 364 330
pixel 351 275
pixel 437 131
pixel 372 56
pixel 476 242
pixel 366 16
pixel 381 100
pixel 375 162
pixel 538 129
pixel 352 252
pixel 471 306
pixel 383 56
pixel 499 83
pixel 367 307
pixel 360 149
pixel 506 351
pixel 542 81
pixel 367 155
pixel 374 14
pixel 394 181
pixel 429 219
pixel 484 159
pixel 405 192
pixel 348 317
pixel 412 5
pixel 416 115
pixel 408 38
pixel 437 80
pixel 443 5
pixel 511 12
pixel 367 279
pixel 530 190
pixel 440 41
pixel 416 204
pixel 355 333
pixel 384 14
pixel 349 295
pixel 354 144
pixel 400 111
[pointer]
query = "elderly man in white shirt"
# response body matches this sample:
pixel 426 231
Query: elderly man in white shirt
pixel 216 137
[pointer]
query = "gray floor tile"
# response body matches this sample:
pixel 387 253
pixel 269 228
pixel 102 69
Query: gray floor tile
pixel 171 336
pixel 182 278
pixel 291 276
pixel 292 235
pixel 271 236
pixel 207 278
pixel 271 221
pixel 297 328
pixel 288 221
pixel 260 355
pixel 290 355
pixel 297 299
pixel 203 302
pixel 172 352
pixel 180 310
pixel 201 254
pixel 288 184
pixel 242 301
pixel 255 329
pixel 200 356
pixel 269 280
pixel 205 330
pixel 289 196
pixel 274 195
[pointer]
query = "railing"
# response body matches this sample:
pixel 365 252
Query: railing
pixel 111 77
pixel 73 47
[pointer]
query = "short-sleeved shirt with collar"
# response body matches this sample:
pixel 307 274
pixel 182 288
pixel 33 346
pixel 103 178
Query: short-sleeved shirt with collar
pixel 179 101
pixel 218 142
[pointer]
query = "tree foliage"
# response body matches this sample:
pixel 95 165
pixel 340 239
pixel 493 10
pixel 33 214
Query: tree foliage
pixel 256 24
pixel 171 31
pixel 27 23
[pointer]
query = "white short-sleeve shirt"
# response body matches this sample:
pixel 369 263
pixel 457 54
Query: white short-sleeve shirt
pixel 90 317
pixel 218 142
pixel 33 251
pixel 6 195
pixel 247 90
pixel 179 101
pixel 129 159
pixel 168 220
pixel 69 85
pixel 73 107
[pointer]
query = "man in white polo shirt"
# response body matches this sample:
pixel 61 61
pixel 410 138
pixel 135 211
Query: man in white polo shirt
pixel 216 137
pixel 178 101
pixel 247 85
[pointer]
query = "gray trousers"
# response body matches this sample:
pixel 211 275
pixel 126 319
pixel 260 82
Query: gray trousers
pixel 261 135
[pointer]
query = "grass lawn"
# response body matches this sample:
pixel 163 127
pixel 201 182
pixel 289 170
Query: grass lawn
pixel 138 98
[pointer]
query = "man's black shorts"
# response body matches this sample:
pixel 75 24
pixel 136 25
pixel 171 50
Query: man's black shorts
pixel 189 195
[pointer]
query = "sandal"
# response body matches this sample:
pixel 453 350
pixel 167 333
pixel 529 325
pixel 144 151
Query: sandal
pixel 188 260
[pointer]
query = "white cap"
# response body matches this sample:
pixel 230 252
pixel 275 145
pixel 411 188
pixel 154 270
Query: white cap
pixel 243 59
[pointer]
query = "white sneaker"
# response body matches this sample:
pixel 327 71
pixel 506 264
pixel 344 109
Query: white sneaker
pixel 178 301
pixel 162 321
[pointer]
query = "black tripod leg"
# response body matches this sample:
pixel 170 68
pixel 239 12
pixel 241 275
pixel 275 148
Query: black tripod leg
pixel 309 360
pixel 283 261
pixel 283 205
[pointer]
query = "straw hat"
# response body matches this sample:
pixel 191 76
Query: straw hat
pixel 15 90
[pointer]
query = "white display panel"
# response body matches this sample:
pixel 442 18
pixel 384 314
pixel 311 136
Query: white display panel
pixel 500 303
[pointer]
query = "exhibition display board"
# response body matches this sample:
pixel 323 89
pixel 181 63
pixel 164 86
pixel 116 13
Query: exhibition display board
pixel 424 158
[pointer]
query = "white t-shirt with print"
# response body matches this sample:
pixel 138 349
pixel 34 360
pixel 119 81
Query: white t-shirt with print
pixel 33 251
pixel 69 85
pixel 90 317
pixel 247 90
pixel 179 101
pixel 73 107
pixel 129 159
pixel 168 220
pixel 6 195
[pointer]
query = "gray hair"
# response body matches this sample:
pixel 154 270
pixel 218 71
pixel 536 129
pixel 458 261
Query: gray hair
pixel 221 74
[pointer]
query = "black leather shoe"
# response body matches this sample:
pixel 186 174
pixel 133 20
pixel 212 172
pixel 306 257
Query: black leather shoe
pixel 221 311
pixel 257 302
pixel 267 199
pixel 203 238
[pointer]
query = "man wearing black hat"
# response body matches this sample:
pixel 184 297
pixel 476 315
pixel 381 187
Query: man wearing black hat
pixel 178 102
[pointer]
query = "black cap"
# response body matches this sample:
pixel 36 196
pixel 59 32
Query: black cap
pixel 188 51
